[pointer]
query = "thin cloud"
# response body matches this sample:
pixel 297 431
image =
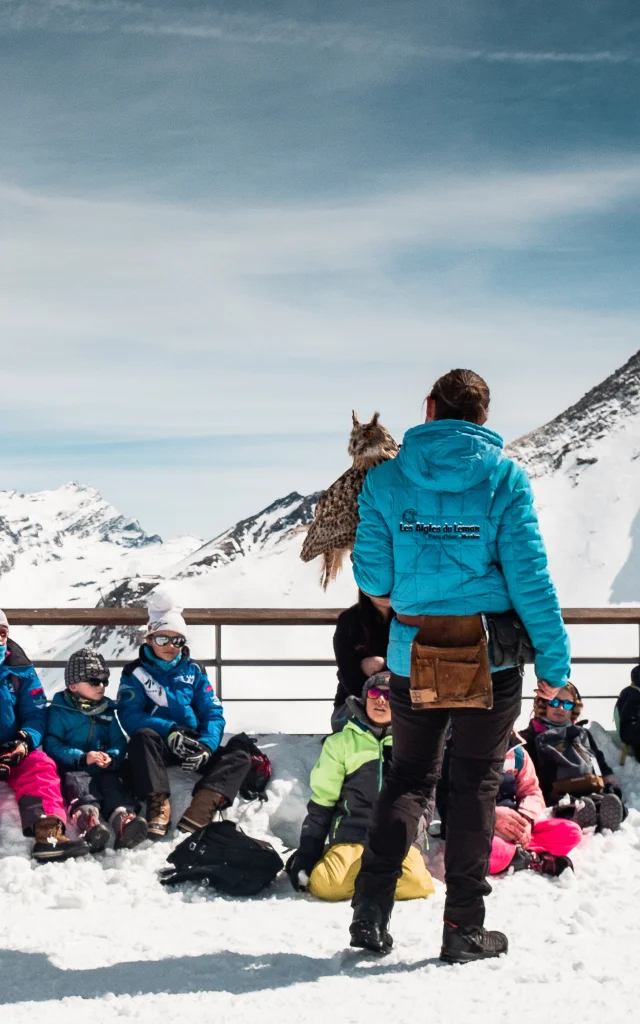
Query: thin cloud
pixel 123 16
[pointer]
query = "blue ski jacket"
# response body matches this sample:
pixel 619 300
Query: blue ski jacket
pixel 150 698
pixel 71 733
pixel 449 528
pixel 22 700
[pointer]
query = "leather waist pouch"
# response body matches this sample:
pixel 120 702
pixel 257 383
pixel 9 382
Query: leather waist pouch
pixel 581 785
pixel 449 662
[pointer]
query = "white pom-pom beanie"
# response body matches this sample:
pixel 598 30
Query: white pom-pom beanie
pixel 164 613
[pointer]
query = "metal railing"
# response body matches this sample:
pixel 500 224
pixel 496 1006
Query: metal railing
pixel 219 617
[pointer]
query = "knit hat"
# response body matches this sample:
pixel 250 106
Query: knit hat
pixel 164 613
pixel 3 619
pixel 380 679
pixel 85 665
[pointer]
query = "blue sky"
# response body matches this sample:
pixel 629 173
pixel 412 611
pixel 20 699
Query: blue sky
pixel 225 225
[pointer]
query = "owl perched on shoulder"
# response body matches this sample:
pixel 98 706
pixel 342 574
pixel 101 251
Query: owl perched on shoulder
pixel 333 530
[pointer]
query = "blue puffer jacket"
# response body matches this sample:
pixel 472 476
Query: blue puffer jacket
pixel 449 528
pixel 22 700
pixel 150 698
pixel 71 733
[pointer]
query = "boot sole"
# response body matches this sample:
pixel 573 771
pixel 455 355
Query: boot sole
pixel 44 856
pixel 99 842
pixel 135 833
pixel 467 958
pixel 611 813
pixel 155 834
pixel 587 816
pixel 188 827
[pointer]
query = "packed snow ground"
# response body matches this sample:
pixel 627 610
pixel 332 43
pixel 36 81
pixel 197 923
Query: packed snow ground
pixel 99 939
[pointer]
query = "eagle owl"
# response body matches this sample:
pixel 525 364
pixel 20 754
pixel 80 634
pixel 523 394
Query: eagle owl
pixel 333 530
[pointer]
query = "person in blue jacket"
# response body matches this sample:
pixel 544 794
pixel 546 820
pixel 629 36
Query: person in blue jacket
pixel 84 738
pixel 448 535
pixel 27 769
pixel 170 710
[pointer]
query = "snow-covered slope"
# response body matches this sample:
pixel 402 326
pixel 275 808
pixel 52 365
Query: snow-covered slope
pixel 585 469
pixel 69 546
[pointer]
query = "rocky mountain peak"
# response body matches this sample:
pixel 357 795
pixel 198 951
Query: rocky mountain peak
pixel 607 407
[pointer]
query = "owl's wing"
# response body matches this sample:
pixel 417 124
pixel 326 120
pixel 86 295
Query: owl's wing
pixel 336 517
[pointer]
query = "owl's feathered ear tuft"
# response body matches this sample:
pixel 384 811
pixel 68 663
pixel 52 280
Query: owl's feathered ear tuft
pixel 374 419
pixel 354 418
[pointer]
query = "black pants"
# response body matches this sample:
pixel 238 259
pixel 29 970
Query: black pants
pixel 479 740
pixel 106 790
pixel 149 756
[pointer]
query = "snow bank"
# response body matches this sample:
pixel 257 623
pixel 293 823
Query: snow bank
pixel 101 939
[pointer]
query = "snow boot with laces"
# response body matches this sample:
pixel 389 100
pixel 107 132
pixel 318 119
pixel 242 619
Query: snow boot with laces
pixel 370 926
pixel 130 829
pixel 464 945
pixel 158 815
pixel 51 842
pixel 544 862
pixel 90 828
pixel 202 810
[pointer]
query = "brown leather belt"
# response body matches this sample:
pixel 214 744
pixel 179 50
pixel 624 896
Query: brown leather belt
pixel 446 630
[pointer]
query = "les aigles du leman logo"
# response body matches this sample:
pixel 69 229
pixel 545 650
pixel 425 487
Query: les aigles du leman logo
pixel 409 523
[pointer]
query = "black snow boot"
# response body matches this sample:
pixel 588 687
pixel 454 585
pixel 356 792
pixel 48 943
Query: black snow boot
pixel 585 814
pixel 545 863
pixel 369 928
pixel 463 945
pixel 610 812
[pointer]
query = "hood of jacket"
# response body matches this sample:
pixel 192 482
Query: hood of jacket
pixel 449 455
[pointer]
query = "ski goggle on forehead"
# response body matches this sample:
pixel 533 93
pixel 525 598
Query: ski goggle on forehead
pixel 162 640
pixel 376 691
pixel 555 702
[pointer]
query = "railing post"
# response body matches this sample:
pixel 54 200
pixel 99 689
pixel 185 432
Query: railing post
pixel 217 632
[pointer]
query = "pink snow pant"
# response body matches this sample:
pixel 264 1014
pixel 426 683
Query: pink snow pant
pixel 553 835
pixel 36 786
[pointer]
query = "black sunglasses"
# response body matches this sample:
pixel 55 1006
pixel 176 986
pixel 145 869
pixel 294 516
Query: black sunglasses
pixel 96 682
pixel 162 640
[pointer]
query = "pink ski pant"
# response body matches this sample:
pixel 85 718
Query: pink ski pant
pixel 553 835
pixel 36 786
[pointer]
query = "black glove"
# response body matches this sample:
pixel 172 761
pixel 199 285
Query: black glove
pixel 187 749
pixel 299 867
pixel 13 752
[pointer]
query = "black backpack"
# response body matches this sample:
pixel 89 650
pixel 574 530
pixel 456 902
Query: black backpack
pixel 225 858
pixel 254 785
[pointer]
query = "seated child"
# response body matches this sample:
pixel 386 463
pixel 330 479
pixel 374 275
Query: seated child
pixel 173 717
pixel 345 783
pixel 574 776
pixel 522 839
pixel 84 738
pixel 30 773
pixel 627 714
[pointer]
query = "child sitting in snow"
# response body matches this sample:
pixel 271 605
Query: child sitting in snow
pixel 523 839
pixel 345 784
pixel 573 772
pixel 30 773
pixel 84 738
pixel 171 712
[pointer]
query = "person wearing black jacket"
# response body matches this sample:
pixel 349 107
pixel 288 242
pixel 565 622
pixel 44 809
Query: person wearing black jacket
pixel 570 764
pixel 627 713
pixel 360 646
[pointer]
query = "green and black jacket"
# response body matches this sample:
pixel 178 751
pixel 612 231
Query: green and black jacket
pixel 345 783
